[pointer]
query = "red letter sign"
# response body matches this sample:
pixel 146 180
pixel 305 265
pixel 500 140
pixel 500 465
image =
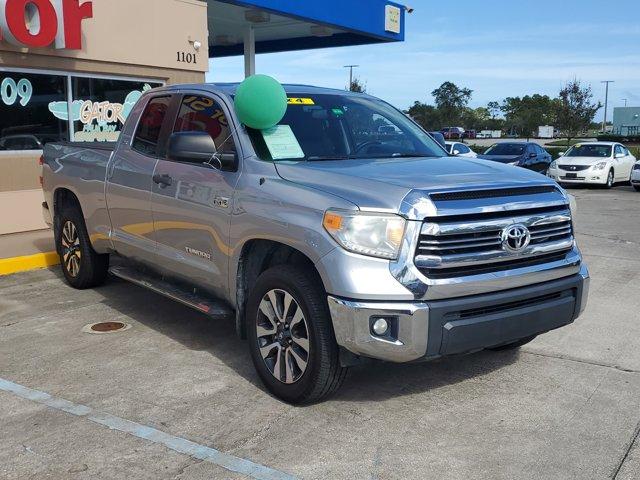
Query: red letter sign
pixel 43 22
pixel 38 23
pixel 70 30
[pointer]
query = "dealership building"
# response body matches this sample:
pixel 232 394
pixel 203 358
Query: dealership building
pixel 71 70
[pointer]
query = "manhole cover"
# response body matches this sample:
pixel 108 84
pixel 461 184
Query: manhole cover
pixel 106 327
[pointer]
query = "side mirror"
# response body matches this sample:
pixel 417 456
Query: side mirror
pixel 532 155
pixel 456 152
pixel 198 148
pixel 619 155
pixel 191 147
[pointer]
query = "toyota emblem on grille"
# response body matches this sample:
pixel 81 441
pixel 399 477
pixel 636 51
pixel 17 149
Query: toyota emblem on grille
pixel 515 238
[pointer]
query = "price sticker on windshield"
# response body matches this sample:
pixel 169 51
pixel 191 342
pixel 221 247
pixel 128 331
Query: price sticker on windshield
pixel 300 101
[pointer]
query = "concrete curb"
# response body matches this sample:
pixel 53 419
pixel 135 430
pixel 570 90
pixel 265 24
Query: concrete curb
pixel 29 262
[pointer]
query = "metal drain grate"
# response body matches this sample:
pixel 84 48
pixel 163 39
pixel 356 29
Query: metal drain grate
pixel 106 327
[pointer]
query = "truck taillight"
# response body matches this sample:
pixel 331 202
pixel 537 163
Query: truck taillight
pixel 41 160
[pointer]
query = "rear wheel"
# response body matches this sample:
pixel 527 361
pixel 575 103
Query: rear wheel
pixel 513 345
pixel 637 187
pixel 81 265
pixel 290 335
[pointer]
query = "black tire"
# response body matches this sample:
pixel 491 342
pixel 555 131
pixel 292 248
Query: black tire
pixel 322 374
pixel 610 180
pixel 82 267
pixel 637 187
pixel 513 345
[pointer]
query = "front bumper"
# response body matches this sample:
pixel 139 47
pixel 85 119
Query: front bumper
pixel 426 330
pixel 589 176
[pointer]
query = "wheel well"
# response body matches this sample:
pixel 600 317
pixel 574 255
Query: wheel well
pixel 62 198
pixel 258 256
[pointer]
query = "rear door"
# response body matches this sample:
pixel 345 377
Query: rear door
pixel 129 180
pixel 192 214
pixel 625 162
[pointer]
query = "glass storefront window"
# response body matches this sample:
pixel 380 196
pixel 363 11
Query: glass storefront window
pixel 35 109
pixel 26 121
pixel 100 106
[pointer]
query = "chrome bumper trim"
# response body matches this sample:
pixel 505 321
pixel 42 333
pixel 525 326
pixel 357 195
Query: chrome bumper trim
pixel 351 326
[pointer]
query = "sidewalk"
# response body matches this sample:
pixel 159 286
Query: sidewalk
pixel 27 251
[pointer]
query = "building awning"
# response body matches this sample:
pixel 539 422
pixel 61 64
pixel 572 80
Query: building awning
pixel 287 25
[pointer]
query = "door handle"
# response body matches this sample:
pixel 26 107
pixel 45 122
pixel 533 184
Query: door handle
pixel 163 180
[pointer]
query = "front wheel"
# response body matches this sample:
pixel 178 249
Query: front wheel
pixel 609 182
pixel 290 336
pixel 637 187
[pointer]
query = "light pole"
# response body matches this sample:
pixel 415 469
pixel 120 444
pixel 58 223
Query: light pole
pixel 351 67
pixel 625 101
pixel 606 102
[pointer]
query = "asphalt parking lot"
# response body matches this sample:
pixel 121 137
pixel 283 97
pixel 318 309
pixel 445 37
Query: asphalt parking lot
pixel 176 396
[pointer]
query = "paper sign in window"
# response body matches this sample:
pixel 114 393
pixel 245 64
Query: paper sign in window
pixel 282 143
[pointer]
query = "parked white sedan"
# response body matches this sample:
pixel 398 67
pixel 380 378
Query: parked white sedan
pixel 635 176
pixel 601 163
pixel 459 149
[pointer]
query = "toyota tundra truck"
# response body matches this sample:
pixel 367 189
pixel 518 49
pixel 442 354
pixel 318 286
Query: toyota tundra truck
pixel 340 235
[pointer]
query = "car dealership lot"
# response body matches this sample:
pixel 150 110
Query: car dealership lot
pixel 565 406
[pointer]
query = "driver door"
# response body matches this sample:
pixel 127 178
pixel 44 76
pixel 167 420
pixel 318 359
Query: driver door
pixel 192 202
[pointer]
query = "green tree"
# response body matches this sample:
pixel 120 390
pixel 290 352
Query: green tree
pixel 451 101
pixel 427 116
pixel 575 110
pixel 475 119
pixel 358 86
pixel 526 114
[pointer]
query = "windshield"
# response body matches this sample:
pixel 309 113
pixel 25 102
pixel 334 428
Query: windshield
pixel 506 149
pixel 603 151
pixel 342 127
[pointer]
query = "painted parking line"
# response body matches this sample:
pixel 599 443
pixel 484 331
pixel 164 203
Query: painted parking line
pixel 181 445
pixel 29 262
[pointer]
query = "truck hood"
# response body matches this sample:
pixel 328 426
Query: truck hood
pixel 382 184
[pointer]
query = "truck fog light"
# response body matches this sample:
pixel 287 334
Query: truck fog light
pixel 380 327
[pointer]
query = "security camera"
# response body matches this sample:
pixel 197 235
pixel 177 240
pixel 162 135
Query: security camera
pixel 197 46
pixel 409 9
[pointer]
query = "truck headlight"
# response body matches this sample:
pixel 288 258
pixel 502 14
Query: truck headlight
pixel 373 234
pixel 600 166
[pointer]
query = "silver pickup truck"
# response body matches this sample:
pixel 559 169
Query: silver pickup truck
pixel 343 234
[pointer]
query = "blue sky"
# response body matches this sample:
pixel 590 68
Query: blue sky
pixel 498 48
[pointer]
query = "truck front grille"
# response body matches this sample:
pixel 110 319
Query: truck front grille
pixel 469 245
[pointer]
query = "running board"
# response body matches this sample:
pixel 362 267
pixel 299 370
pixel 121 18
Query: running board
pixel 207 305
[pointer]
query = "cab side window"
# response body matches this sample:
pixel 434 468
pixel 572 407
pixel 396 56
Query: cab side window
pixel 619 150
pixel 203 114
pixel 150 126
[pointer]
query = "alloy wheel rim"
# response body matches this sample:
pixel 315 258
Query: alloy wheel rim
pixel 283 336
pixel 71 254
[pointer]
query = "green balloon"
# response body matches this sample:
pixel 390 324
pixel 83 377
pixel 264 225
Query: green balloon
pixel 260 102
